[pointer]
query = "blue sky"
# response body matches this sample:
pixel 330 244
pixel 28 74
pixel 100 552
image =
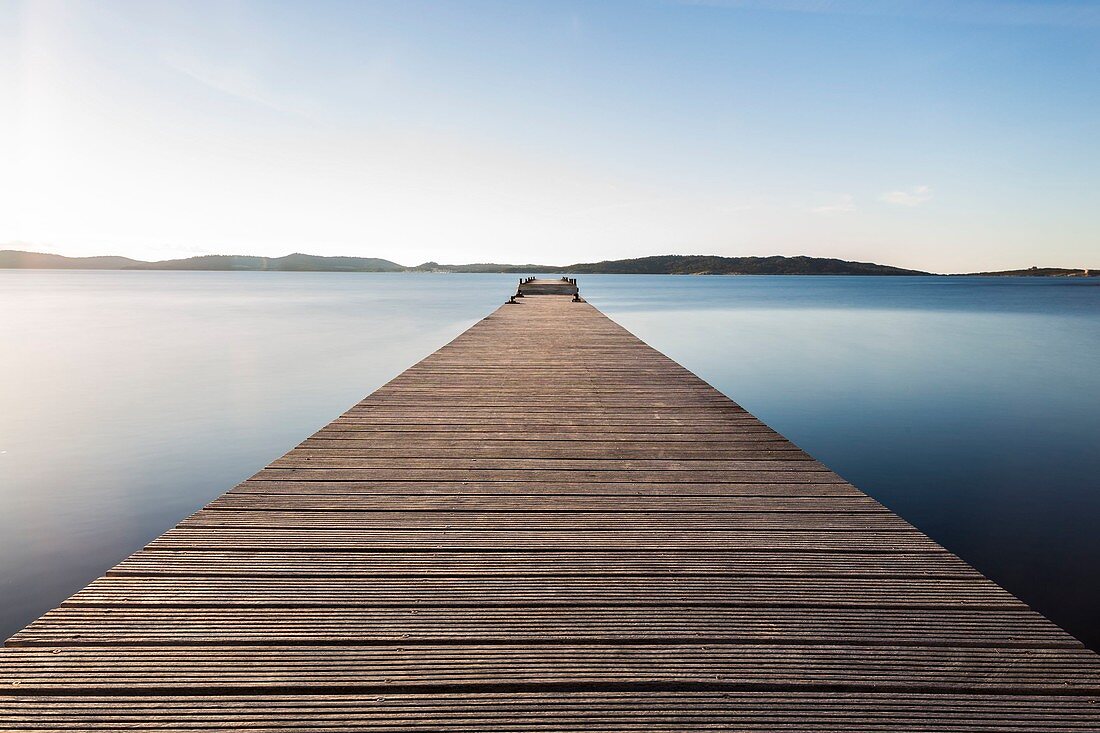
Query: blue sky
pixel 941 135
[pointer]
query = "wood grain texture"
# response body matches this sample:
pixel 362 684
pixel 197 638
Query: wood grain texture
pixel 560 711
pixel 545 525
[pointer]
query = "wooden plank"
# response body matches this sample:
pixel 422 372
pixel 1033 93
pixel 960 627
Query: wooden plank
pixel 111 625
pixel 750 563
pixel 373 449
pixel 686 538
pixel 561 711
pixel 513 521
pixel 579 443
pixel 558 503
pixel 590 590
pixel 518 488
pixel 791 475
pixel 309 459
pixel 641 432
pixel 427 668
pixel 545 525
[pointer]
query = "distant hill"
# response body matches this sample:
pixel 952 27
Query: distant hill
pixel 14 259
pixel 692 265
pixel 485 267
pixel 290 263
pixel 657 265
pixel 1038 272
pixel 713 265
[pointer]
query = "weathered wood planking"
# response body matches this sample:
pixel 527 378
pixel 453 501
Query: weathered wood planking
pixel 546 525
pixel 561 711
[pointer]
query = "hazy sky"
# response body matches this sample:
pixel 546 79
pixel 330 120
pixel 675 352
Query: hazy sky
pixel 948 135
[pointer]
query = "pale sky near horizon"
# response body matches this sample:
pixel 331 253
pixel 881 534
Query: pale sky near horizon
pixel 947 136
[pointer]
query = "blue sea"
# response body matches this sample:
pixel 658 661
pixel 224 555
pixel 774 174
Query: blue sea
pixel 970 406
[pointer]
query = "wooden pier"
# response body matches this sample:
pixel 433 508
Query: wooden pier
pixel 534 286
pixel 546 525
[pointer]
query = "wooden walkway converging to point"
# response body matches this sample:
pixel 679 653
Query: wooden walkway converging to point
pixel 546 525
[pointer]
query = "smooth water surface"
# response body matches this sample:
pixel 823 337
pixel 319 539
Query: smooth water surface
pixel 971 406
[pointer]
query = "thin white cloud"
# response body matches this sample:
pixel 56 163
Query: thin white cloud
pixel 914 196
pixel 842 204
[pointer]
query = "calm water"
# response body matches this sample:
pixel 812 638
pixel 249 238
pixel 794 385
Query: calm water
pixel 969 406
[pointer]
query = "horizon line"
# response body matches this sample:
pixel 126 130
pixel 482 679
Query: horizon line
pixel 518 266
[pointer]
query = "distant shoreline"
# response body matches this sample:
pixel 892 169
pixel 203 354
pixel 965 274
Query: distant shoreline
pixel 656 265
